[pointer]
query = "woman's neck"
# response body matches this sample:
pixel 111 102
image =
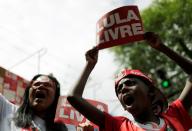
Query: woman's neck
pixel 40 114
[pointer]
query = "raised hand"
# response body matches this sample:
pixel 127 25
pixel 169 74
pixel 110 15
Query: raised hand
pixel 153 39
pixel 92 56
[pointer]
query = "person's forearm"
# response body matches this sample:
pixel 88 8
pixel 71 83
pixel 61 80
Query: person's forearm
pixel 80 85
pixel 81 104
pixel 184 63
pixel 186 94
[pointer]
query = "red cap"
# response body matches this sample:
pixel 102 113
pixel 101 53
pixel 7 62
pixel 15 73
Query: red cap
pixel 127 72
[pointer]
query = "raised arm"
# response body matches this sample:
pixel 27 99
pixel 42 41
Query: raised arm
pixel 186 64
pixel 186 95
pixel 75 96
pixel 156 43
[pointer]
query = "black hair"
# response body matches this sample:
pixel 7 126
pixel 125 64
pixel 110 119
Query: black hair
pixel 24 115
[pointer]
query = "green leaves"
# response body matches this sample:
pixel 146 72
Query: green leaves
pixel 172 20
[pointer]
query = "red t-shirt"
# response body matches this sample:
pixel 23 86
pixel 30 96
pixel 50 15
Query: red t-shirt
pixel 176 117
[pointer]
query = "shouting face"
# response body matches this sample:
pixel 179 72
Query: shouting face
pixel 133 95
pixel 42 93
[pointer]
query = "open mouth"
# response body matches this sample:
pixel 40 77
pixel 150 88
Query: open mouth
pixel 40 95
pixel 128 100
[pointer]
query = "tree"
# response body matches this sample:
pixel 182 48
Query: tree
pixel 171 19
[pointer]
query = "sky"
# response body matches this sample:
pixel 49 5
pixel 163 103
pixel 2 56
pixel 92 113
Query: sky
pixel 52 36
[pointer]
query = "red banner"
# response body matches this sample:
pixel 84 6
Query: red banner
pixel 120 26
pixel 12 86
pixel 68 115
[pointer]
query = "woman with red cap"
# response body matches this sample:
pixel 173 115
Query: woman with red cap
pixel 138 95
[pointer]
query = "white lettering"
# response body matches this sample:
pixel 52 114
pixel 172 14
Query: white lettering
pixel 72 114
pixel 131 15
pixel 109 21
pixel 137 30
pixel 121 32
pixel 125 30
pixel 106 35
pixel 99 39
pixel 115 19
pixel 115 34
pixel 62 113
pixel 99 27
pixel 79 116
pixel 118 19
